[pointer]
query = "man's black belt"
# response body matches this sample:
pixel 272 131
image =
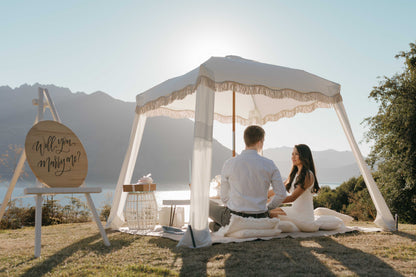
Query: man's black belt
pixel 262 215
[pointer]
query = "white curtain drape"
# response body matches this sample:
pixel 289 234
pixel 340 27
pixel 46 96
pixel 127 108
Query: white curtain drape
pixel 116 218
pixel 201 170
pixel 384 218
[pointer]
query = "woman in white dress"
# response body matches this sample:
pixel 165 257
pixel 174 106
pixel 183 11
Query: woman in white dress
pixel 301 184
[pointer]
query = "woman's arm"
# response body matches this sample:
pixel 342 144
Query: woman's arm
pixel 295 194
pixel 309 180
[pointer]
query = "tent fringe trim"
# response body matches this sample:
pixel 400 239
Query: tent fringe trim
pixel 155 107
pixel 162 111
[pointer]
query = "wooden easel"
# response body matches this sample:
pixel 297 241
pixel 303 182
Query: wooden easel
pixel 43 94
pixel 38 192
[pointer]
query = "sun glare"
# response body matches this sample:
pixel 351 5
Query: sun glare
pixel 197 47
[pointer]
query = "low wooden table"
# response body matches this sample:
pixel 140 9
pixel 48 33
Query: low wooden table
pixel 173 204
pixel 38 215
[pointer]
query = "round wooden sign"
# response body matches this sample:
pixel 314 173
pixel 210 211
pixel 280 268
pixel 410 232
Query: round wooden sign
pixel 56 155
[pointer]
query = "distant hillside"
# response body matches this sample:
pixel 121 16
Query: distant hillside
pixel 331 166
pixel 103 124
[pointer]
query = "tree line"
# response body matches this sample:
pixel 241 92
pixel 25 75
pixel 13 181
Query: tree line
pixel 53 213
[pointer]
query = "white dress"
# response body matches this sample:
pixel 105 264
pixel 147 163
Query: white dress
pixel 301 212
pixel 306 219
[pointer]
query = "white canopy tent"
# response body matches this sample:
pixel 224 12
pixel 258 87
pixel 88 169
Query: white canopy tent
pixel 263 92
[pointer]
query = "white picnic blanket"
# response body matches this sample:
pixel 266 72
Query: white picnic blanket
pixel 217 237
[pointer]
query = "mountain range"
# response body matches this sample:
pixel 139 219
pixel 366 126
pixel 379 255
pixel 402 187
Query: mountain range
pixel 103 124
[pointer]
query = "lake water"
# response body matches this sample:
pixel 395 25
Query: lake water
pixel 171 192
pixel 178 191
pixel 100 199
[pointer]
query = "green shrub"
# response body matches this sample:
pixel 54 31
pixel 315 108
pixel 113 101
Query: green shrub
pixel 351 198
pixel 361 206
pixel 105 212
pixel 52 213
pixel 15 217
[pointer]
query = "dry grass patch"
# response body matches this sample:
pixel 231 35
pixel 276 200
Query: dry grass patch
pixel 78 250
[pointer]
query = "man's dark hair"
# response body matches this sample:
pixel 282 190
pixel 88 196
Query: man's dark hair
pixel 253 134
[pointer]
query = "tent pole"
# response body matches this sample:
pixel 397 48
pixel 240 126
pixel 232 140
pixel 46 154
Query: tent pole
pixel 384 218
pixel 116 218
pixel 233 123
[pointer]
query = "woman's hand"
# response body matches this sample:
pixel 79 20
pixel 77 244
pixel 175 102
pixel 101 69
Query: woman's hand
pixel 276 212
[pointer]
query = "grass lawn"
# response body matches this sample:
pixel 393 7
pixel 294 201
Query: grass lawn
pixel 78 250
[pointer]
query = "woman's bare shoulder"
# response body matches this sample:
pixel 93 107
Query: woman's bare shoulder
pixel 310 174
pixel 309 179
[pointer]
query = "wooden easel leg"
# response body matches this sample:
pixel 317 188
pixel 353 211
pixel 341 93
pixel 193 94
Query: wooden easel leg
pixel 16 175
pixel 38 225
pixel 97 219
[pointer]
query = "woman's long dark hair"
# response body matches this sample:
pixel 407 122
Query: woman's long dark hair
pixel 305 156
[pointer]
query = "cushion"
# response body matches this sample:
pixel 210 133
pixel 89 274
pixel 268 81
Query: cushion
pixel 325 211
pixel 287 227
pixel 328 222
pixel 302 225
pixel 306 226
pixel 243 227
pixel 255 233
pixel 238 223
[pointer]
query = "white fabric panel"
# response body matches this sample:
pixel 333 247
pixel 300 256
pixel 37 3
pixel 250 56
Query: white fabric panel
pixel 201 167
pixel 116 218
pixel 384 218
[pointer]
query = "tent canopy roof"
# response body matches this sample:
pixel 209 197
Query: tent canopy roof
pixel 264 92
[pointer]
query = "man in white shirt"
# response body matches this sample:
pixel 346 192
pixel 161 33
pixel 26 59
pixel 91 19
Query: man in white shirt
pixel 245 180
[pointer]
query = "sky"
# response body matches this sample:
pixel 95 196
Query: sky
pixel 126 47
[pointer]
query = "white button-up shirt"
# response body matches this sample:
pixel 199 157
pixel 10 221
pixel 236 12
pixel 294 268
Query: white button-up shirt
pixel 245 180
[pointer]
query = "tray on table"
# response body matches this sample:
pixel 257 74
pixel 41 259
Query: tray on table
pixel 139 187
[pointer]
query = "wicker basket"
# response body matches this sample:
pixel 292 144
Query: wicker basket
pixel 141 209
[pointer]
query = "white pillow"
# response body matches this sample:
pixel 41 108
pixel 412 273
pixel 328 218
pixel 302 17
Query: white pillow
pixel 287 226
pixel 328 222
pixel 255 233
pixel 325 211
pixel 238 223
pixel 306 226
